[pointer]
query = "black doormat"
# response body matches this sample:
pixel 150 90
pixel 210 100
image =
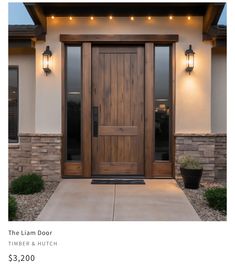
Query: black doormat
pixel 118 181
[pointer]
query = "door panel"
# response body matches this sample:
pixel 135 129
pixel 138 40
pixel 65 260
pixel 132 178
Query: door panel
pixel 118 98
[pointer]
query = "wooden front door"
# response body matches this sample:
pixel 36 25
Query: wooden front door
pixel 118 110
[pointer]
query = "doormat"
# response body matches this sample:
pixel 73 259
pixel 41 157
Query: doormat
pixel 118 181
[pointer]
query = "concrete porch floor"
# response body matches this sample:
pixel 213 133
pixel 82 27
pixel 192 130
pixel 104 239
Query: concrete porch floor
pixel 157 200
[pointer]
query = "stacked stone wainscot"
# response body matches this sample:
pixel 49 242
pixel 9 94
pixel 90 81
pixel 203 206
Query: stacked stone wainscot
pixel 210 149
pixel 220 158
pixel 38 153
pixel 41 153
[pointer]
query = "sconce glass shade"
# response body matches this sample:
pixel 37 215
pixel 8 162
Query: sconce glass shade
pixel 189 53
pixel 46 60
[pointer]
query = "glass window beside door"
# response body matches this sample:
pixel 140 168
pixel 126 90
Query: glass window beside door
pixel 13 90
pixel 73 102
pixel 162 103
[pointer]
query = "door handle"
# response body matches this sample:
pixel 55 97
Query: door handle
pixel 95 121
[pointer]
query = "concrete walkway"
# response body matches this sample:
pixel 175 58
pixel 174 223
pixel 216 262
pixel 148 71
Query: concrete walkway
pixel 157 200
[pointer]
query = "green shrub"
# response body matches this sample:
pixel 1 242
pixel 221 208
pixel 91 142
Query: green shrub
pixel 189 163
pixel 217 198
pixel 12 208
pixel 27 184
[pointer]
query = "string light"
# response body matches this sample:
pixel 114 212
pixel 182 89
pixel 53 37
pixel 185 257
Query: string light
pixel 149 18
pixel 110 17
pixel 70 18
pixel 171 17
pixel 92 18
pixel 189 18
pixel 132 18
pixel 52 17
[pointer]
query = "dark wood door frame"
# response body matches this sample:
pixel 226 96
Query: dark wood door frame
pixel 149 108
pixel 83 168
pixel 119 39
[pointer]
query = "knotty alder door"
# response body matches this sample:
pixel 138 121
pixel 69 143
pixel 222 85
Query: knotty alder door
pixel 118 110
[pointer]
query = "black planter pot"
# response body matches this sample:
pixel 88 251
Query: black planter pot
pixel 191 177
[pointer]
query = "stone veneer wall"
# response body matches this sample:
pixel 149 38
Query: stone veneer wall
pixel 220 159
pixel 210 149
pixel 38 153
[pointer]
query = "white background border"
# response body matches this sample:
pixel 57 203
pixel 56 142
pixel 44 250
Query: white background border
pixel 124 246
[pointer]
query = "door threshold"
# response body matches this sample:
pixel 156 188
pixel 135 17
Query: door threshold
pixel 117 177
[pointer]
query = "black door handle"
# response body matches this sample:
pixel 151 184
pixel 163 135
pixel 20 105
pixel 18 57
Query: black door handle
pixel 95 121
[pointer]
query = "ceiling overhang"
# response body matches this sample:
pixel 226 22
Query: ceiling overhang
pixel 116 9
pixel 40 11
pixel 24 36
pixel 217 34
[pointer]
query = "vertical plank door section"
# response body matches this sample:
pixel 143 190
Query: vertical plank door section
pixel 118 110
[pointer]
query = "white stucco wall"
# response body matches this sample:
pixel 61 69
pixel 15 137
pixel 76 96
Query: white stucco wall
pixel 219 93
pixel 193 92
pixel 26 64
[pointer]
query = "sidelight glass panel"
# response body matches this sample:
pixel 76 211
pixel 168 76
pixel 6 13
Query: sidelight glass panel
pixel 13 105
pixel 73 102
pixel 162 103
pixel 73 71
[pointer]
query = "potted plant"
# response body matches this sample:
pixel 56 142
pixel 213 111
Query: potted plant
pixel 191 171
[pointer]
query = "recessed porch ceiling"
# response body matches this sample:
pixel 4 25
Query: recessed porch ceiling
pixel 123 9
pixel 40 11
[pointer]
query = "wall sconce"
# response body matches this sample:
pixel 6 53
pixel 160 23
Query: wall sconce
pixel 46 60
pixel 189 53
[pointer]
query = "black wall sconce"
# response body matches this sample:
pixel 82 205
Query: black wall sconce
pixel 46 60
pixel 189 53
